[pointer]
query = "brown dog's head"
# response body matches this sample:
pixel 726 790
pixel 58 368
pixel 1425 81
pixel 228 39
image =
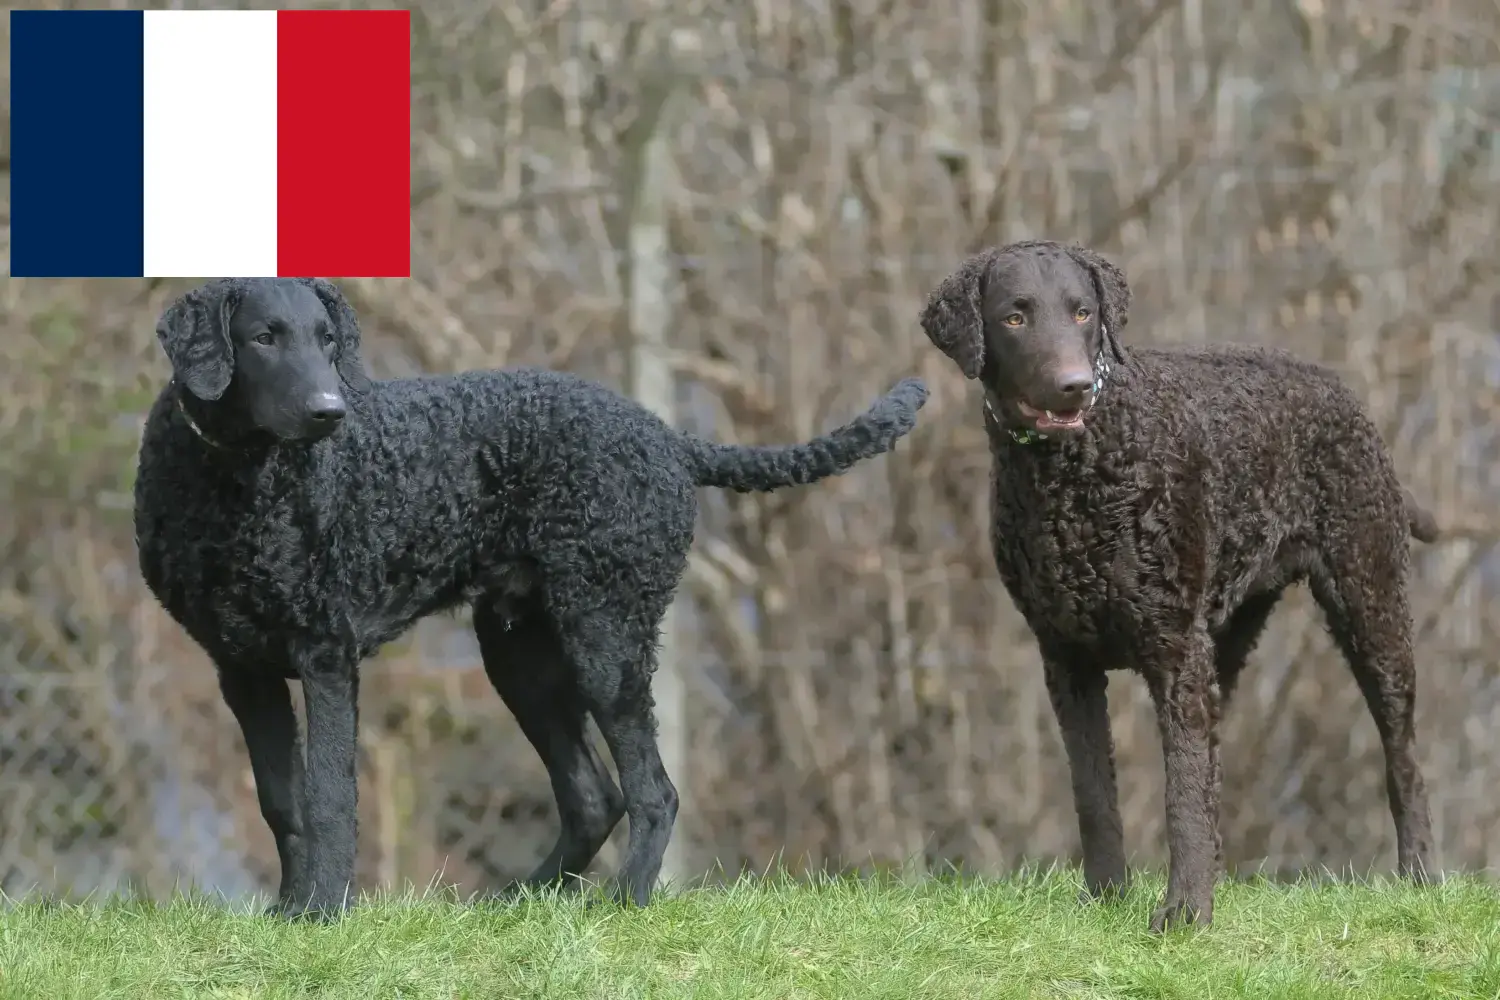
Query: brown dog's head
pixel 1038 324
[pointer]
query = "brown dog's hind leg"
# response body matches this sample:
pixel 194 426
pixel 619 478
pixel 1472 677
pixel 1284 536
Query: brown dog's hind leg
pixel 1364 600
pixel 1185 689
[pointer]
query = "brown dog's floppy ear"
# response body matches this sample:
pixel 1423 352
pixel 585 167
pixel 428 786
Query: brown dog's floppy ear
pixel 953 317
pixel 350 364
pixel 1113 292
pixel 194 333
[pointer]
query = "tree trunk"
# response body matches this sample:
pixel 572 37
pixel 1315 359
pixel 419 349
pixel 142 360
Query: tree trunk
pixel 649 320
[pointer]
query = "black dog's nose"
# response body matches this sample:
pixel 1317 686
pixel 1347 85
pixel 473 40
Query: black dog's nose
pixel 327 409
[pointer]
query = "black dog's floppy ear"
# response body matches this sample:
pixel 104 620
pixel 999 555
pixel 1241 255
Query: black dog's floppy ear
pixel 953 317
pixel 1113 292
pixel 194 333
pixel 349 363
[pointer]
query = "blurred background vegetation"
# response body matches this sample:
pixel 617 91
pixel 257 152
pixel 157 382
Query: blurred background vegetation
pixel 737 209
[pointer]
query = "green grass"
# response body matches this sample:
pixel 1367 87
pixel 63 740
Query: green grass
pixel 773 939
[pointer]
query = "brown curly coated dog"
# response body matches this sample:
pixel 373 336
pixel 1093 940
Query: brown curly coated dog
pixel 1149 507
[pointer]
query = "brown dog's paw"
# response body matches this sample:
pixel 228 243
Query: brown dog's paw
pixel 1181 914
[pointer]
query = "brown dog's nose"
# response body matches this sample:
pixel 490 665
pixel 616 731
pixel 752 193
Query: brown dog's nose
pixel 1074 384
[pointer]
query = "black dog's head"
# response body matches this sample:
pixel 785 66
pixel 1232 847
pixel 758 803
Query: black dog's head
pixel 1031 320
pixel 274 356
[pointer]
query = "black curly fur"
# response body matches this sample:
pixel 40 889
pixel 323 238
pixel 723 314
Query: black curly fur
pixel 561 510
pixel 1204 482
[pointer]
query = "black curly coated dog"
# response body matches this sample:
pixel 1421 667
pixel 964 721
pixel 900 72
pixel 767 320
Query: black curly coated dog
pixel 1149 508
pixel 293 515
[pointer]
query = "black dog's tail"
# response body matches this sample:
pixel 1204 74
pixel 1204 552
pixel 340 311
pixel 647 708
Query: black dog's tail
pixel 770 467
pixel 1424 527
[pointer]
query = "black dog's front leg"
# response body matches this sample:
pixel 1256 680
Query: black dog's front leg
pixel 330 692
pixel 261 703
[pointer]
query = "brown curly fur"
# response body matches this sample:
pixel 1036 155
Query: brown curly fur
pixel 1159 536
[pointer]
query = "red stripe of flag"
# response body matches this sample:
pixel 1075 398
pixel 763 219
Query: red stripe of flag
pixel 343 154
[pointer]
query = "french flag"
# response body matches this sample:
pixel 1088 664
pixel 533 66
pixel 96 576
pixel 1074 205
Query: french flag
pixel 172 143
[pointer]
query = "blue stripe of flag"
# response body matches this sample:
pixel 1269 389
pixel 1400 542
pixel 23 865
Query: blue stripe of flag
pixel 77 133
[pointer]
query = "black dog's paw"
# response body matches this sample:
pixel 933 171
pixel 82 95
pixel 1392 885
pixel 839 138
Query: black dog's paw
pixel 310 911
pixel 625 894
pixel 1108 891
pixel 507 895
pixel 614 897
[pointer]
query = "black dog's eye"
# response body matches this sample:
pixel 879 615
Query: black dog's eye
pixel 1082 315
pixel 264 338
pixel 1014 319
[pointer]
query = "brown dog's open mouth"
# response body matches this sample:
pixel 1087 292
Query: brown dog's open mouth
pixel 1052 420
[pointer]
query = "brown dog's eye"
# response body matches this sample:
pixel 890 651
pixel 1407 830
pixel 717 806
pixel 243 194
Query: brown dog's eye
pixel 1082 315
pixel 1014 319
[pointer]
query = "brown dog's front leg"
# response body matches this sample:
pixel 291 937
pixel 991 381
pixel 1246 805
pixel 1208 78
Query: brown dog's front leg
pixel 1186 692
pixel 1080 700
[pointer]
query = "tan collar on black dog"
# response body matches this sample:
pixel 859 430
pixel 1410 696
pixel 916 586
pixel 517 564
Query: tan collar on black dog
pixel 193 424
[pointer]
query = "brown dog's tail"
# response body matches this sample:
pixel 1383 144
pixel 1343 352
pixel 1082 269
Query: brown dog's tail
pixel 1424 527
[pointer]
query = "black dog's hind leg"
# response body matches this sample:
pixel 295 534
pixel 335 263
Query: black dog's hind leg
pixel 615 658
pixel 262 705
pixel 526 664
